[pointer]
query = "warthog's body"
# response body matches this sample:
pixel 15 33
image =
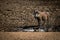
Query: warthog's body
pixel 42 17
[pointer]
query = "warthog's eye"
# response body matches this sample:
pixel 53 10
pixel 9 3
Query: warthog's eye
pixel 37 13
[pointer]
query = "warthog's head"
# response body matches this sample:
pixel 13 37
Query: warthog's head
pixel 36 13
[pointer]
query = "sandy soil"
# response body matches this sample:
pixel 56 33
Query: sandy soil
pixel 29 36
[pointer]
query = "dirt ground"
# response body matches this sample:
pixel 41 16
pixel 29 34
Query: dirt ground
pixel 29 36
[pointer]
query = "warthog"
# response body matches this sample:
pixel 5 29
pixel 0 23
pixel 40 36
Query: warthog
pixel 43 18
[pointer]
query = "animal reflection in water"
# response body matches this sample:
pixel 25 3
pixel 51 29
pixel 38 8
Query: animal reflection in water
pixel 33 30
